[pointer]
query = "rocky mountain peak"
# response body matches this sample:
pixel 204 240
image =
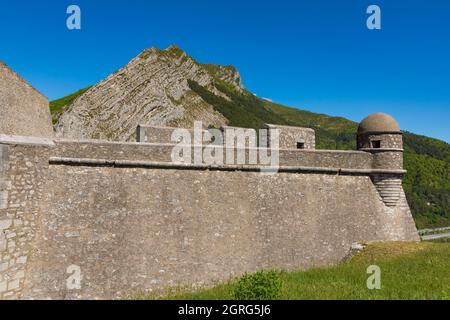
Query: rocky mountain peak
pixel 228 74
pixel 152 89
pixel 173 53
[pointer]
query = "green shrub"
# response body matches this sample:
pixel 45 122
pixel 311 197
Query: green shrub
pixel 263 285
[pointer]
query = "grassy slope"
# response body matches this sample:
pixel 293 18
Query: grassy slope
pixel 427 160
pixel 408 271
pixel 57 107
pixel 427 184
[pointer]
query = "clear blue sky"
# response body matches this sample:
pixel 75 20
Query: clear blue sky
pixel 316 54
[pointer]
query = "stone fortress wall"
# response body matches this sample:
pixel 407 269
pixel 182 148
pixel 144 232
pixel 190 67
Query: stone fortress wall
pixel 96 219
pixel 292 137
pixel 133 221
pixel 23 172
pixel 23 110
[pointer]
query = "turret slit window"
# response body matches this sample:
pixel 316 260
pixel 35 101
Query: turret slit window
pixel 376 144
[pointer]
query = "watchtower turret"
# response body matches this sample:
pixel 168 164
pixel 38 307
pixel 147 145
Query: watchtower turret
pixel 380 135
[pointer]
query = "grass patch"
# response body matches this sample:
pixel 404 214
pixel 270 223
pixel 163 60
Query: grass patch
pixel 57 107
pixel 408 271
pixel 443 240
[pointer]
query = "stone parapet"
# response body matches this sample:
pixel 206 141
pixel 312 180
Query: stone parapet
pixel 162 153
pixel 126 219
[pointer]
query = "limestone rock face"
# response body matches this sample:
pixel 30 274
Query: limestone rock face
pixel 23 110
pixel 152 89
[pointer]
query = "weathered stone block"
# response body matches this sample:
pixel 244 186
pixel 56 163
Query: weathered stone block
pixel 3 158
pixel 3 286
pixel 21 260
pixel 5 224
pixel 5 185
pixel 13 284
pixel 3 242
pixel 3 199
pixel 3 266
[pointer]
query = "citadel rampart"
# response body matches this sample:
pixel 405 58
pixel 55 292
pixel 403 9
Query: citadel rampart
pixel 96 220
pixel 132 221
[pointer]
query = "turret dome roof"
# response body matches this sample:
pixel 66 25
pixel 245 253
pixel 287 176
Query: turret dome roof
pixel 378 122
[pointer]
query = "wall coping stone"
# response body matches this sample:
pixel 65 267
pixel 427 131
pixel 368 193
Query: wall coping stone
pixel 26 140
pixel 382 149
pixel 274 126
pixel 168 165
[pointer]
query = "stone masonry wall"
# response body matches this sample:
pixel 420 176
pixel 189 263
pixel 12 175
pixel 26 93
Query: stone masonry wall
pixel 132 229
pixel 289 137
pixel 23 110
pixel 22 172
pixel 162 153
pixel 388 159
pixel 388 140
